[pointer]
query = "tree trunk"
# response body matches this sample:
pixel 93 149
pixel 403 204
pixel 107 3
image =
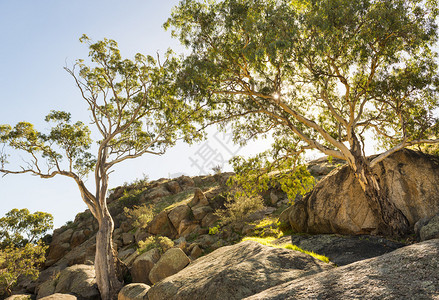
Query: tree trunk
pixel 391 220
pixel 105 260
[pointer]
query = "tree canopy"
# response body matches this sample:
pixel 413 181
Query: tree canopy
pixel 316 74
pixel 322 71
pixel 19 227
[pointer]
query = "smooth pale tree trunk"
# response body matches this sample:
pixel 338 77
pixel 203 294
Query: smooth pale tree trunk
pixel 105 260
pixel 391 220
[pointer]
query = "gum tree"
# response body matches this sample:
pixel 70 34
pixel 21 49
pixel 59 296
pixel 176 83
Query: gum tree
pixel 133 108
pixel 20 227
pixel 317 74
pixel 21 250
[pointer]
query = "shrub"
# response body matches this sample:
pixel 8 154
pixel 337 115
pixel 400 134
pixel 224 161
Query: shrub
pixel 20 261
pixel 139 215
pixel 140 183
pixel 130 198
pixel 267 227
pixel 238 206
pixel 214 230
pixel 22 251
pixel 161 242
pixel 217 169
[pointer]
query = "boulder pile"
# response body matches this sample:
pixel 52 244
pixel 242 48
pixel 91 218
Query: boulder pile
pixel 179 253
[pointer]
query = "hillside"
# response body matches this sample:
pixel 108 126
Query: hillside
pixel 170 234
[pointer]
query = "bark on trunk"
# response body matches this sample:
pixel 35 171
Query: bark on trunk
pixel 391 220
pixel 105 260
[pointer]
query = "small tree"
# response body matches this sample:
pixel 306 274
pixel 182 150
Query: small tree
pixel 133 107
pixel 318 74
pixel 19 227
pixel 21 251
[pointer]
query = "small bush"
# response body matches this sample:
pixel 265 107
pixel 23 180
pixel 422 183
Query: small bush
pixel 140 183
pixel 217 169
pixel 139 215
pixel 161 242
pixel 214 230
pixel 130 198
pixel 18 262
pixel 238 206
pixel 267 227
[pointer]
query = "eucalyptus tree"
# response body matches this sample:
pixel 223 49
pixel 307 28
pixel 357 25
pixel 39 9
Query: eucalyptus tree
pixel 21 250
pixel 317 74
pixel 134 110
pixel 20 227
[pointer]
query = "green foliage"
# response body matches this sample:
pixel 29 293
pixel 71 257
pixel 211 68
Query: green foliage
pixel 313 74
pixel 133 104
pixel 21 249
pixel 432 149
pixel 214 230
pixel 19 227
pixel 162 243
pixel 130 198
pixel 268 241
pixel 267 227
pixel 20 261
pixel 140 215
pixel 238 206
pixel 140 183
pixel 272 169
pixel 72 139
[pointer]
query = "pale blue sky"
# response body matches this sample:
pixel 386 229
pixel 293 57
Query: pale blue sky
pixel 39 38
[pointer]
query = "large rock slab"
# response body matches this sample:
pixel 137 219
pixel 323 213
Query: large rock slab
pixel 407 273
pixel 47 288
pixel 59 296
pixel 133 291
pixel 170 263
pixel 161 225
pixel 79 280
pixel 430 230
pixel 237 271
pixel 338 205
pixel 341 249
pixel 143 264
pixel 179 213
pixel 19 297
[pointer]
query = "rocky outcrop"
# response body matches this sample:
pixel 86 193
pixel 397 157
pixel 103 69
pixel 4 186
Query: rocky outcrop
pixel 143 265
pixel 170 263
pixel 237 271
pixel 79 280
pixel 19 297
pixel 430 229
pixel 134 291
pixel 59 296
pixel 407 273
pixel 161 225
pixel 338 205
pixel 178 214
pixel 47 288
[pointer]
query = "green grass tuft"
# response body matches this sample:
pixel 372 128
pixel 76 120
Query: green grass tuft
pixel 268 241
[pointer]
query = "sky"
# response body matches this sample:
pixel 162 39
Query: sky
pixel 38 39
